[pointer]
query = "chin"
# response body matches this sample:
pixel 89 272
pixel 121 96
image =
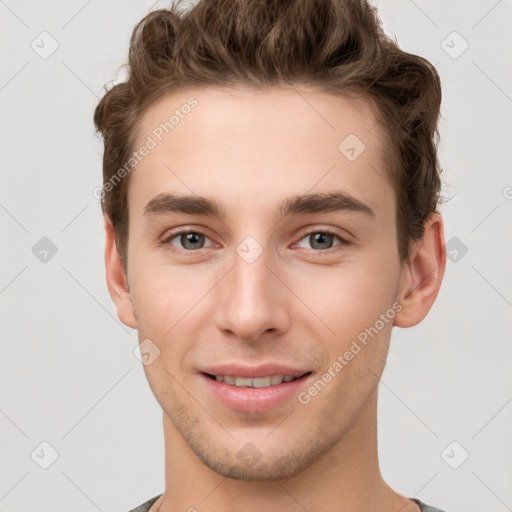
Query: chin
pixel 277 469
pixel 252 464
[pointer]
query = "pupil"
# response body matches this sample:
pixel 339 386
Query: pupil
pixel 321 238
pixel 190 239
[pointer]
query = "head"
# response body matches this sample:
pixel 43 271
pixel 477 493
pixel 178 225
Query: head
pixel 305 142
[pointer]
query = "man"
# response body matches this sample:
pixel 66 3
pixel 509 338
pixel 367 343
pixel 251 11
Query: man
pixel 270 200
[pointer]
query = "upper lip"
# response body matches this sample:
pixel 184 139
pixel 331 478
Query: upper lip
pixel 252 372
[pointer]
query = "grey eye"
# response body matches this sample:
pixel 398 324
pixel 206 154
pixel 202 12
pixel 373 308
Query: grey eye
pixel 189 240
pixel 321 240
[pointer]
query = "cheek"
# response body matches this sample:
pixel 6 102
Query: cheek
pixel 158 284
pixel 351 298
pixel 168 300
pixel 350 301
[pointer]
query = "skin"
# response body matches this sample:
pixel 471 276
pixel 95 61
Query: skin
pixel 296 304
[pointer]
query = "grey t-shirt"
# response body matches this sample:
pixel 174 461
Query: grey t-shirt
pixel 147 505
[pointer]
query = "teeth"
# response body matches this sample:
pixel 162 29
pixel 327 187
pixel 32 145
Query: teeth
pixel 242 382
pixel 259 382
pixel 276 379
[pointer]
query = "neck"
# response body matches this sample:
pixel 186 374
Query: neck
pixel 345 478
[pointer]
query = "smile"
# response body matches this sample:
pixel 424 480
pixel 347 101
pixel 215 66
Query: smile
pixel 259 382
pixel 255 394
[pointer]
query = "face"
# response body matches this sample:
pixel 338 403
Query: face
pixel 266 282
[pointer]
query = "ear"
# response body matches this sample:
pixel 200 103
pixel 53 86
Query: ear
pixel 422 275
pixel 117 280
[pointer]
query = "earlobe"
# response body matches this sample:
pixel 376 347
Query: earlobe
pixel 117 281
pixel 422 275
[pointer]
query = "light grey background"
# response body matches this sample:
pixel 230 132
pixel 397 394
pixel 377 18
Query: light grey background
pixel 68 373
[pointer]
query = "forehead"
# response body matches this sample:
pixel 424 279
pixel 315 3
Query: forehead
pixel 265 141
pixel 226 113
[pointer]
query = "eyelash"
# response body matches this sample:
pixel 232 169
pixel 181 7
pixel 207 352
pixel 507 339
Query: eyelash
pixel 343 241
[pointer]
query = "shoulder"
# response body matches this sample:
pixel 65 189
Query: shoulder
pixel 427 508
pixel 147 505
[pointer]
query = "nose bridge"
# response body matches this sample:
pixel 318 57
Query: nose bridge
pixel 252 300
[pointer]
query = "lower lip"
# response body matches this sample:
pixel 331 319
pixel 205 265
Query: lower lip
pixel 254 399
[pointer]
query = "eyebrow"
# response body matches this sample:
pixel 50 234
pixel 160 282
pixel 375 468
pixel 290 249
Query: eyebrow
pixel 296 205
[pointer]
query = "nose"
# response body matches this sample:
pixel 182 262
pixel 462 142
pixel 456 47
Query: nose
pixel 252 300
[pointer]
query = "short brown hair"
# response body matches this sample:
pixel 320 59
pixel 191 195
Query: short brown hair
pixel 337 46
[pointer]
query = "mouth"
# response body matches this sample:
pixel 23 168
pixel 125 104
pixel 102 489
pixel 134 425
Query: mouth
pixel 255 394
pixel 257 382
